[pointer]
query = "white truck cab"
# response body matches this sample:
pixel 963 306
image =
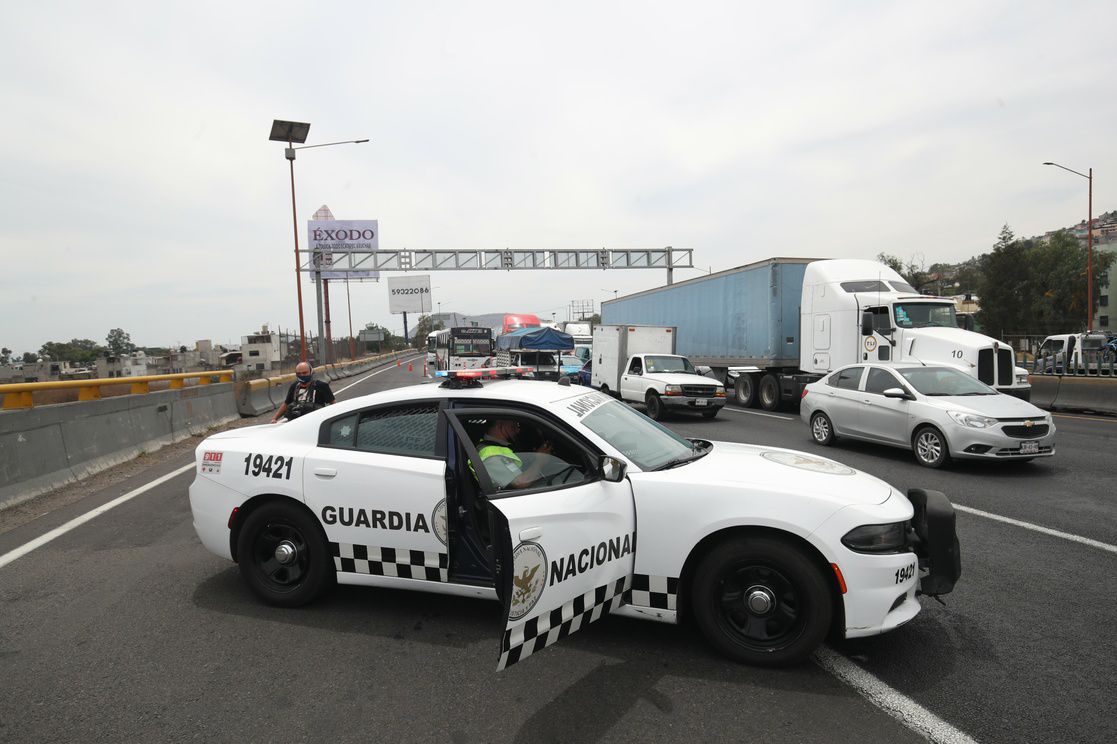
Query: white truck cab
pixel 639 365
pixel 858 311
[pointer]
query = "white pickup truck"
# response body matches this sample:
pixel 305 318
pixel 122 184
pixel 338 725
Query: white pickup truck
pixel 638 364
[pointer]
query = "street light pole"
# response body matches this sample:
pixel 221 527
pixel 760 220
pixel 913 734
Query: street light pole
pixel 292 132
pixel 290 153
pixel 1089 176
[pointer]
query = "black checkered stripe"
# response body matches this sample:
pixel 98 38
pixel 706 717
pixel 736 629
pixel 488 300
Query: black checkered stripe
pixel 405 564
pixel 528 637
pixel 660 592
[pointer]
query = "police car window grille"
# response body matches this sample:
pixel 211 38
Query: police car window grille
pixel 410 431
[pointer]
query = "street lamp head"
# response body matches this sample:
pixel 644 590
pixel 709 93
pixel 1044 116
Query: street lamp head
pixel 289 131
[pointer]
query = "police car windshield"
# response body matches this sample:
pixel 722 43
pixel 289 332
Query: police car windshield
pixel 647 444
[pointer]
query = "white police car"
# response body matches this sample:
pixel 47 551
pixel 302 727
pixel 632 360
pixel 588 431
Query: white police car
pixel 766 550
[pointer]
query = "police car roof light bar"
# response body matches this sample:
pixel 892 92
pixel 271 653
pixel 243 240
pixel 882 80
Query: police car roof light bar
pixel 463 378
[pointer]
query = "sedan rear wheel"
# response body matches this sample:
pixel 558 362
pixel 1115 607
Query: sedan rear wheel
pixel 822 429
pixel 930 447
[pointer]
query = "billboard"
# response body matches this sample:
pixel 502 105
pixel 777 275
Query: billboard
pixel 409 294
pixel 327 238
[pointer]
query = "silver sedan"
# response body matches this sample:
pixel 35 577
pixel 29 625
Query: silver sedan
pixel 938 412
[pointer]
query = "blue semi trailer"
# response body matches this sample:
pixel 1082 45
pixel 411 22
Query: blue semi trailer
pixel 768 328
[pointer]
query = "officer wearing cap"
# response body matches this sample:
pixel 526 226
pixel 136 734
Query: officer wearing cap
pixel 305 394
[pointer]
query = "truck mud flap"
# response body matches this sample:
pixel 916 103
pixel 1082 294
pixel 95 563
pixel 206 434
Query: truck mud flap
pixel 935 541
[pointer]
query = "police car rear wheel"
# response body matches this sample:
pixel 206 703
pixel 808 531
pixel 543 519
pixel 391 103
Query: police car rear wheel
pixel 283 555
pixel 761 601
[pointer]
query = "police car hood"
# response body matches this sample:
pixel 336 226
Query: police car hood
pixel 774 470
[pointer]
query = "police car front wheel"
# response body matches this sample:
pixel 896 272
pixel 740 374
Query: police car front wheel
pixel 283 555
pixel 762 601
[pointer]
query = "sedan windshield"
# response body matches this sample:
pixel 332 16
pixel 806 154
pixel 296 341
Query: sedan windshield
pixel 647 444
pixel 944 381
pixel 668 364
pixel 925 314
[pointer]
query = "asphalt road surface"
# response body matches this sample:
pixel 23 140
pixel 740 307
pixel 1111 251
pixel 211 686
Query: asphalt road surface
pixel 126 629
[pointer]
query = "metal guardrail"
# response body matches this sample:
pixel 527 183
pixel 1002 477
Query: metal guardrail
pixel 21 394
pixel 1088 363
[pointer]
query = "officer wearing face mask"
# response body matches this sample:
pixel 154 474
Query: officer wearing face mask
pixel 304 395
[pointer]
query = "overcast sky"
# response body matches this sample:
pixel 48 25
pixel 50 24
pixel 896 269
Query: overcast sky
pixel 139 189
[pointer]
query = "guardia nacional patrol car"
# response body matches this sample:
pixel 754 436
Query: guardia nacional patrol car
pixel 767 550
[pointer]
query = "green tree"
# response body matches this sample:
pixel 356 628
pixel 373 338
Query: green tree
pixel 1059 283
pixel 1005 287
pixel 424 326
pixel 915 271
pixel 29 357
pixel 119 342
pixel 5 355
pixel 78 351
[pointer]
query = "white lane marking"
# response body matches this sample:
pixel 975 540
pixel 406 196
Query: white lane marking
pixel 78 521
pixel 757 413
pixel 371 374
pixel 1037 528
pixel 893 702
pixel 1085 418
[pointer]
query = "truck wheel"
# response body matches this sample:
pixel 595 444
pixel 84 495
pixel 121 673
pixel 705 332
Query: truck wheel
pixel 283 555
pixel 605 389
pixel 654 406
pixel 745 391
pixel 761 601
pixel 930 447
pixel 769 392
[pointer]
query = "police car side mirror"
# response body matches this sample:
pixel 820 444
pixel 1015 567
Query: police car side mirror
pixel 612 469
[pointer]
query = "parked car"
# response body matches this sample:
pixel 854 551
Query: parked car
pixel 937 411
pixel 585 374
pixel 569 365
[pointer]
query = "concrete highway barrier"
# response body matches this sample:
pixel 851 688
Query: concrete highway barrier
pixel 1081 393
pixel 1045 388
pixel 45 447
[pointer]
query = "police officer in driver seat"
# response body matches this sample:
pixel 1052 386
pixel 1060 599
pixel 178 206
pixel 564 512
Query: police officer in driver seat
pixel 506 468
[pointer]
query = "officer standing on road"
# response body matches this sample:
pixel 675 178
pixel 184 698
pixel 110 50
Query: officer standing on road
pixel 305 394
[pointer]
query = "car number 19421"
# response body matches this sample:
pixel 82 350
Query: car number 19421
pixel 903 574
pixel 273 466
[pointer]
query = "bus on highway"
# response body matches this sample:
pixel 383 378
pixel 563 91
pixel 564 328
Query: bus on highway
pixel 434 340
pixel 464 347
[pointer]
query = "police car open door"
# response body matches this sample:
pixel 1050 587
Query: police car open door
pixel 563 524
